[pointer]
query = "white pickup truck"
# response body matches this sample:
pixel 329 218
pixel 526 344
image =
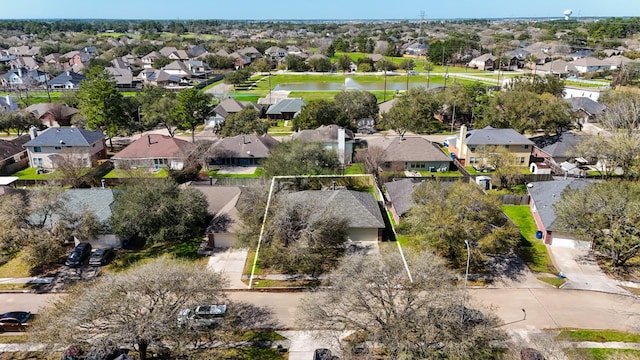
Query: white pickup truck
pixel 202 316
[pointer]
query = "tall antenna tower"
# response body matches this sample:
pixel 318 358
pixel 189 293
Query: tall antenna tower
pixel 421 22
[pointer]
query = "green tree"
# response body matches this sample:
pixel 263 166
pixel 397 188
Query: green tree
pixel 606 213
pixel 244 122
pixel 295 63
pixel 193 108
pixel 320 64
pixel 320 112
pixel 344 63
pixel 331 50
pixel 101 103
pixel 537 84
pixel 261 65
pixel 147 210
pixel 357 104
pixel 161 62
pixel 238 77
pixel 413 112
pixel 405 317
pixel 156 108
pixel 447 215
pixel 298 157
pixel 18 121
pixel 407 65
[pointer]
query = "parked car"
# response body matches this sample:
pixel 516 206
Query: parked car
pixel 79 255
pixel 322 354
pixel 202 316
pixel 101 257
pixel 15 321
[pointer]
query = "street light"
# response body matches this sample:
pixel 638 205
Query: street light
pixel 466 276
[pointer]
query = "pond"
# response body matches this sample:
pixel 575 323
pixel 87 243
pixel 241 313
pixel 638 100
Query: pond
pixel 348 84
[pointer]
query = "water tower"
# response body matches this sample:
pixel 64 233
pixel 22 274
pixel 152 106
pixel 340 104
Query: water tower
pixel 567 14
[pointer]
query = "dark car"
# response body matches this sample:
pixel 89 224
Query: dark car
pixel 101 257
pixel 322 354
pixel 15 321
pixel 79 255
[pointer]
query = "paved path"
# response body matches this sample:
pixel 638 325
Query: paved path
pixel 304 343
pixel 231 263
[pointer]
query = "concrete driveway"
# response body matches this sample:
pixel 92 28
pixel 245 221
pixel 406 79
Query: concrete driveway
pixel 304 343
pixel 582 272
pixel 231 263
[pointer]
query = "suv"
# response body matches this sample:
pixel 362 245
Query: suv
pixel 202 316
pixel 79 255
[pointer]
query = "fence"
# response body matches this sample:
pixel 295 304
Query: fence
pixel 510 199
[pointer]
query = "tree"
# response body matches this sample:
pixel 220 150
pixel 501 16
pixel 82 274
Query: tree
pixel 549 84
pixel 428 67
pixel 447 215
pixel 407 65
pixel 320 64
pixel 138 308
pixel 157 106
pixel 244 122
pixel 193 108
pixel 505 166
pixel 147 210
pixel 623 113
pixel 261 65
pixel 296 157
pixel 413 112
pixel 18 121
pixel 606 213
pixel 295 63
pixel 611 153
pixel 357 104
pixel 409 318
pixel 161 62
pixel 101 103
pixel 238 77
pixel 320 112
pixel 344 63
pixel 303 237
pixel 330 51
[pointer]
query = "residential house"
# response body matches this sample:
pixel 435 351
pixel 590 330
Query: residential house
pixel 590 64
pixel 7 103
pixel 473 147
pixel 225 224
pixel 414 154
pixel 159 78
pixel 122 77
pixel 77 57
pixel 332 137
pixel 285 109
pixel 617 61
pixel 483 62
pixel 375 57
pixel 584 53
pixel 67 80
pixel 23 78
pixel 196 51
pixel 154 151
pixel 199 69
pixel 556 149
pixel 252 53
pixel 149 59
pixel 241 150
pixel 227 107
pixel 52 59
pixel 13 156
pixel 557 67
pixel 54 145
pixel 399 195
pixel 179 68
pixel 360 209
pixel 52 114
pixel 276 53
pixel 416 49
pixel 586 108
pixel 26 62
pixel 24 50
pixel 240 60
pixel 543 195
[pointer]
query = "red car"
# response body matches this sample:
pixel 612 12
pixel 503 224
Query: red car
pixel 15 321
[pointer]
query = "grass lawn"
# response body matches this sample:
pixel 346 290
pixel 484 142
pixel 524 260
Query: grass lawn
pixel 532 251
pixel 127 258
pixel 17 267
pixel 426 173
pixel 136 174
pixel 586 85
pixel 554 280
pixel 355 169
pixel 602 354
pixel 598 336
pixel 281 129
pixel 30 174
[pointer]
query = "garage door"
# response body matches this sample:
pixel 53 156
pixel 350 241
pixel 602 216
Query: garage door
pixel 570 243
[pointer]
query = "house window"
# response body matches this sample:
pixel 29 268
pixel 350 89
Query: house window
pixel 58 147
pixel 37 149
pixel 472 148
pixel 525 146
pixel 522 160
pixel 37 162
pixel 506 146
pixel 472 160
pixel 160 162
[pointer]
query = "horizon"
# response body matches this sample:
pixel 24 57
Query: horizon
pixel 328 10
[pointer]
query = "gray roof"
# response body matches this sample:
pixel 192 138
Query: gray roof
pixel 545 194
pixel 359 208
pixel 325 133
pixel 71 136
pixel 401 195
pixel 293 105
pixel 562 145
pixel 586 104
pixel 67 76
pixel 9 148
pixel 96 201
pixel 244 146
pixel 414 149
pixel 491 136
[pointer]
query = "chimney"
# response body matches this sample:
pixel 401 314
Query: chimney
pixel 20 71
pixel 341 144
pixel 33 132
pixel 461 143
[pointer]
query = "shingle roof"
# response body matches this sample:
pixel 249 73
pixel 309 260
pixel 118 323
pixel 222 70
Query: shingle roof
pixel 545 194
pixel 562 145
pixel 293 105
pixel 97 201
pixel 41 109
pixel 401 195
pixel 222 202
pixel 584 103
pixel 325 133
pixel 242 146
pixel 491 136
pixel 67 76
pixel 152 146
pixel 413 149
pixel 360 209
pixel 9 148
pixel 71 136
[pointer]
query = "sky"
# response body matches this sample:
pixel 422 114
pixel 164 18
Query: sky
pixel 310 9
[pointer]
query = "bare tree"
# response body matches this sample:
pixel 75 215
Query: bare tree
pixel 421 317
pixel 72 168
pixel 139 308
pixel 372 158
pixel 623 114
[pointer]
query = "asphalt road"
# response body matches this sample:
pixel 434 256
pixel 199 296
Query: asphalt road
pixel 25 301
